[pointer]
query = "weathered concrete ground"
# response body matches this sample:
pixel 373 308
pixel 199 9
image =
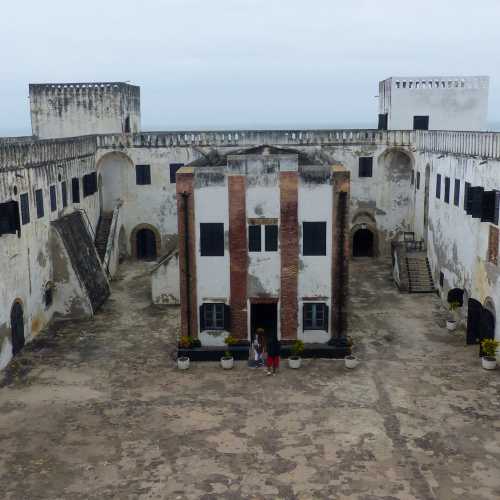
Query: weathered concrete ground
pixel 98 410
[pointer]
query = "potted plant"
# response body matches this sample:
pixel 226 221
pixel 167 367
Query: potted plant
pixel 295 361
pixel 185 342
pixel 489 347
pixel 451 322
pixel 227 361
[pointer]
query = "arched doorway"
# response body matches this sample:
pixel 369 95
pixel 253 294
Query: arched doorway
pixel 145 244
pixel 17 327
pixel 363 243
pixel 116 171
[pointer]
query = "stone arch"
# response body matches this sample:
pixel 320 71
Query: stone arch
pixel 137 232
pixel 114 169
pixel 17 326
pixel 364 217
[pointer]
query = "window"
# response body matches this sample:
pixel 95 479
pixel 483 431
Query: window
pixel 447 190
pixel 53 199
pixel 64 194
pixel 39 203
pixel 89 184
pixel 212 239
pixel 48 295
pixel 420 123
pixel 25 208
pixel 490 205
pixel 382 121
pixel 365 166
pixel 142 175
pixel 75 189
pixel 418 180
pixel 254 239
pixel 9 218
pixel 271 231
pixel 314 238
pixel 438 186
pixel 467 199
pixel 441 279
pixel 214 316
pixel 476 196
pixel 173 170
pixel 456 193
pixel 315 316
pixel 126 127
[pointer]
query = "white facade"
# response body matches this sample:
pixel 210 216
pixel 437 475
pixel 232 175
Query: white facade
pixel 450 102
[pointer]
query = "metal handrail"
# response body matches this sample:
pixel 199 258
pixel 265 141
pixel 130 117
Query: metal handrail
pixel 88 221
pixel 112 238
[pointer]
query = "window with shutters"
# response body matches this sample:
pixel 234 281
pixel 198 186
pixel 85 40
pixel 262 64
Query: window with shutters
pixel 456 193
pixel 64 193
pixel 314 238
pixel 173 171
pixel 53 199
pixel 212 239
pixel 9 218
pixel 142 175
pixel 438 186
pixel 214 316
pixel 254 238
pixel 447 190
pixel 420 123
pixel 89 184
pixel 382 121
pixel 315 316
pixel 493 245
pixel 75 190
pixel 25 208
pixel 271 232
pixel 39 203
pixel 418 180
pixel 490 202
pixel 365 166
pixel 476 195
pixel 467 199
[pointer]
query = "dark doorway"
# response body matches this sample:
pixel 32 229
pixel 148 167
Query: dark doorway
pixel 362 243
pixel 17 327
pixel 264 316
pixel 474 309
pixel 487 327
pixel 146 244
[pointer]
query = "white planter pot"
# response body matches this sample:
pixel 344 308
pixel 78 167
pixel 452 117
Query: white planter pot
pixel 451 325
pixel 351 362
pixel 227 363
pixel 183 363
pixel 294 362
pixel 488 363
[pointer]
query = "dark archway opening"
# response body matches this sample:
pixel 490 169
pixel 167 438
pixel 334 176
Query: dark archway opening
pixel 456 295
pixel 362 243
pixel 17 327
pixel 264 316
pixel 146 244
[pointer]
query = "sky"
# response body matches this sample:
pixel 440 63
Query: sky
pixel 219 64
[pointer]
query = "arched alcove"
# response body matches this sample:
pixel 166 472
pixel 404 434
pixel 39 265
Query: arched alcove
pixel 145 242
pixel 363 242
pixel 17 326
pixel 115 169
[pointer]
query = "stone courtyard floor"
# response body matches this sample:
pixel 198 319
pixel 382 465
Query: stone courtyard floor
pixel 97 410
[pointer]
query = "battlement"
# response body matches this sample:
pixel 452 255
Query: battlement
pixel 84 87
pixel 438 82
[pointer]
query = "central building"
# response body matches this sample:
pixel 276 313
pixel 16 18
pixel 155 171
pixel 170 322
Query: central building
pixel 263 243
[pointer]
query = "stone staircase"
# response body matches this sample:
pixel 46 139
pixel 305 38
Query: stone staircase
pixel 419 273
pixel 102 234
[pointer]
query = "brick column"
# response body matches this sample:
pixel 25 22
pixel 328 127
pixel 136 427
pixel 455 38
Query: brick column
pixel 340 253
pixel 238 255
pixel 187 252
pixel 289 248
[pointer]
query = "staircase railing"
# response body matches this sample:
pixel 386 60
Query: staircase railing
pixel 110 244
pixel 84 212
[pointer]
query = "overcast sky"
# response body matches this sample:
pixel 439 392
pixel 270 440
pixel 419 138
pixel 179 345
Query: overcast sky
pixel 244 63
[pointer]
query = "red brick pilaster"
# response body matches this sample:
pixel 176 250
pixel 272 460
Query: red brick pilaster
pixel 238 256
pixel 187 260
pixel 289 247
pixel 340 251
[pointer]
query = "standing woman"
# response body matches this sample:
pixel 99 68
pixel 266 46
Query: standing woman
pixel 273 349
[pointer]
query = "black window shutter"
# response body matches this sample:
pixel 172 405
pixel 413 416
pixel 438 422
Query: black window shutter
pixel 438 186
pixel 314 238
pixel 75 189
pixel 497 207
pixel 212 239
pixel 304 317
pixel 202 317
pixel 53 199
pixel 271 238
pixel 467 199
pixel 25 208
pixel 64 192
pixel 456 193
pixel 254 238
pixel 327 315
pixel 488 206
pixel 477 201
pixel 227 318
pixel 447 189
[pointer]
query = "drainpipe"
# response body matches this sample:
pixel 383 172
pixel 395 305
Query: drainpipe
pixel 185 199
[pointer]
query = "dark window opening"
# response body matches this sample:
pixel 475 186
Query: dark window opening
pixel 314 238
pixel 89 184
pixel 48 296
pixel 420 123
pixel 212 239
pixel 173 171
pixel 490 205
pixel 75 190
pixel 441 279
pixel 17 327
pixel 456 295
pixel 264 316
pixel 418 180
pixel 447 190
pixel 476 195
pixel 9 218
pixel 365 166
pixel 142 175
pixel 456 193
pixel 64 194
pixel 127 125
pixel 467 199
pixel 53 199
pixel 271 231
pixel 363 243
pixel 382 121
pixel 438 186
pixel 254 238
pixel 214 316
pixel 146 244
pixel 315 316
pixel 39 203
pixel 25 208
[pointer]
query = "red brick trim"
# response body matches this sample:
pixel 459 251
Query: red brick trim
pixel 289 246
pixel 263 300
pixel 184 185
pixel 238 255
